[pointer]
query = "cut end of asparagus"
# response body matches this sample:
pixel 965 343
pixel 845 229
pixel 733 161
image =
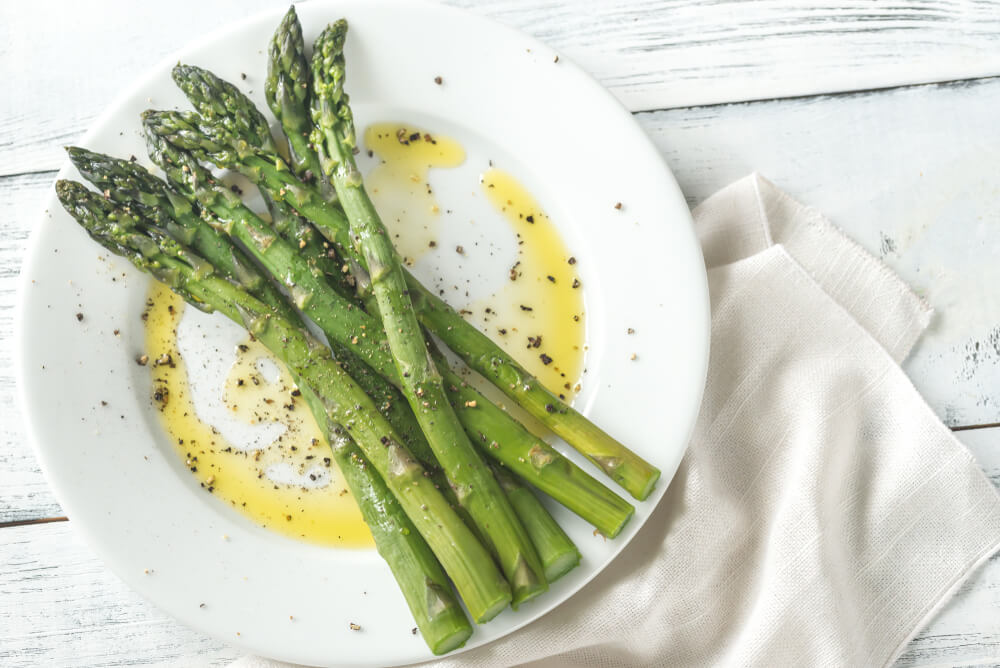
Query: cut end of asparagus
pixel 446 626
pixel 492 611
pixel 650 482
pixel 635 475
pixel 561 566
pixel 452 641
pixel 613 531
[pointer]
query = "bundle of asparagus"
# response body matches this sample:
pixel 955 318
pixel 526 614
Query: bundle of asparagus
pixel 436 468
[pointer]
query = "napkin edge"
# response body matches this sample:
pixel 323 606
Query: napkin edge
pixel 916 306
pixel 946 594
pixel 943 598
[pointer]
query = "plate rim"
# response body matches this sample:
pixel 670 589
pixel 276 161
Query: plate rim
pixel 32 255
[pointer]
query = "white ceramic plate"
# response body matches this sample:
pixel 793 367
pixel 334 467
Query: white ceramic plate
pixel 504 97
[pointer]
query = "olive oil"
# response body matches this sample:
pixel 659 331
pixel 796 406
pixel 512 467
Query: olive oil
pixel 538 316
pixel 289 485
pixel 286 480
pixel 399 185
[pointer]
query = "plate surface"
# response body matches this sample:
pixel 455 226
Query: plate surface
pixel 505 97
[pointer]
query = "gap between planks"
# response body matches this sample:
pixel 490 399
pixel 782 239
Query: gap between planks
pixel 944 83
pixel 41 520
pixel 849 92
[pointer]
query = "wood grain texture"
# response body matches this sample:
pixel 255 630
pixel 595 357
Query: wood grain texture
pixel 71 611
pixel 24 494
pixel 677 53
pixel 652 54
pixel 912 174
pixel 65 75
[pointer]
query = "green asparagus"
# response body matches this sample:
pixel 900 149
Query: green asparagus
pixel 586 497
pixel 214 143
pixel 437 613
pixel 286 89
pixel 342 322
pixel 558 553
pixel 349 411
pixel 477 489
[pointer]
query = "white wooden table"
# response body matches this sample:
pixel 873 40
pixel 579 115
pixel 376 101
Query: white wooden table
pixel 886 116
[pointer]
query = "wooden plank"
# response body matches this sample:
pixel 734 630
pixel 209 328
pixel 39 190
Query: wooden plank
pixel 650 53
pixel 87 53
pixel 678 53
pixel 72 612
pixel 24 494
pixel 911 174
pixel 64 608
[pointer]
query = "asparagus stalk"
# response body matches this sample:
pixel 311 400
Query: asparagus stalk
pixel 349 412
pixel 213 143
pixel 477 489
pixel 438 615
pixel 561 479
pixel 511 445
pixel 603 509
pixel 131 184
pixel 557 552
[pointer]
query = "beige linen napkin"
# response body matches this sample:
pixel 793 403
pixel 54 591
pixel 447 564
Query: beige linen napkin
pixel 822 513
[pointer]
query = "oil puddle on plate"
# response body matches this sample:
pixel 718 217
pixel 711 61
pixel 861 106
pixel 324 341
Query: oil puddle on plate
pixel 470 230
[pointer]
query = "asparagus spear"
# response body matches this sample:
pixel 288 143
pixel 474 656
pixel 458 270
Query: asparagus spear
pixel 510 444
pixel 220 101
pixel 438 615
pixel 213 143
pixel 428 595
pixel 131 183
pixel 477 489
pixel 286 89
pixel 287 58
pixel 349 412
pixel 557 552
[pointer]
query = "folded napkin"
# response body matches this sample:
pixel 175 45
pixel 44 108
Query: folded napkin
pixel 822 513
